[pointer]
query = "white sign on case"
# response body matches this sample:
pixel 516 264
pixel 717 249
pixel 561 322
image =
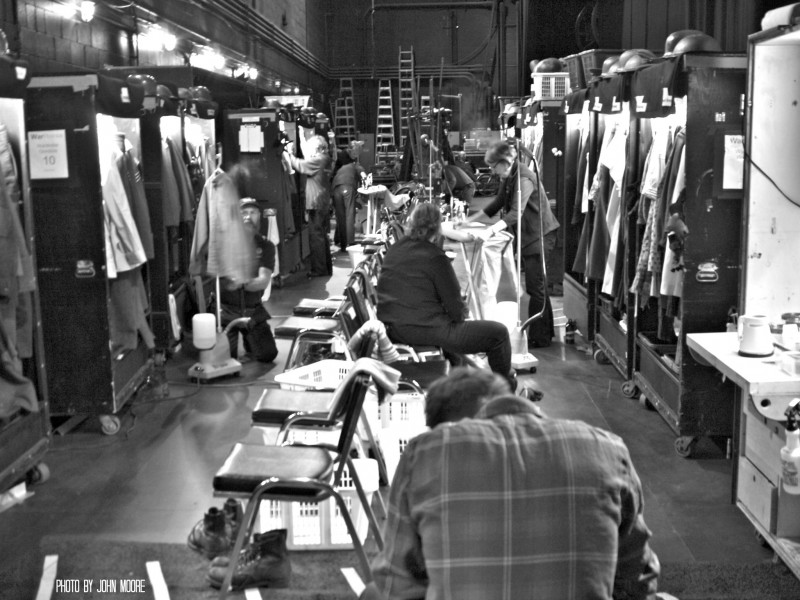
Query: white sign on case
pixel 47 154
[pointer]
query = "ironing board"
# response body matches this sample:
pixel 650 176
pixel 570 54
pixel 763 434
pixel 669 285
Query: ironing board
pixel 483 279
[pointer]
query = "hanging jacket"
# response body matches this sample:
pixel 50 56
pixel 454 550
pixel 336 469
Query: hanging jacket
pixel 137 199
pixel 170 193
pixel 184 180
pixel 16 391
pixel 124 250
pixel 221 247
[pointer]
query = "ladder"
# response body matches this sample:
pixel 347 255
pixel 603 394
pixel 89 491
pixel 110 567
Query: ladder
pixel 344 114
pixel 425 103
pixel 407 95
pixel 384 130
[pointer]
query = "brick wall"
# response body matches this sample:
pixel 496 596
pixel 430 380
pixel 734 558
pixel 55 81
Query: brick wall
pixel 52 43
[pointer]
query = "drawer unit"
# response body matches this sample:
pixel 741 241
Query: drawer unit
pixel 757 494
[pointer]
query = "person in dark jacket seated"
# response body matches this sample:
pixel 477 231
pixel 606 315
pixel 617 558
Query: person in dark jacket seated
pixel 420 302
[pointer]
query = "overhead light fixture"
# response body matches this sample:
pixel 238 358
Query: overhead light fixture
pixel 86 10
pixel 296 90
pixel 252 73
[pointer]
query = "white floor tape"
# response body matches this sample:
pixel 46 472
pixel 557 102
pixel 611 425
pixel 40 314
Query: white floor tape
pixel 48 579
pixel 252 594
pixel 160 590
pixel 354 580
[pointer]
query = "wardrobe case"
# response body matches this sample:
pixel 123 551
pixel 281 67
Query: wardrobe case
pixel 579 295
pixel 84 376
pixel 691 397
pixel 25 437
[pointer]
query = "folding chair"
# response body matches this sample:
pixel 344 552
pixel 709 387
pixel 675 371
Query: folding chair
pixel 296 473
pixel 277 407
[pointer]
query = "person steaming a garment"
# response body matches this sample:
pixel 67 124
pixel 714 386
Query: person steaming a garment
pixel 246 299
pixel 539 227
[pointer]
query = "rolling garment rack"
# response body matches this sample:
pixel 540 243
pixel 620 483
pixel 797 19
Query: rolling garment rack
pixel 584 130
pixel 98 344
pixel 25 431
pixel 708 88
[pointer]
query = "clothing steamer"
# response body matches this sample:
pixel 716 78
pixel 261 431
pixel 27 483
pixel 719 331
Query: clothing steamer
pixel 520 357
pixel 215 350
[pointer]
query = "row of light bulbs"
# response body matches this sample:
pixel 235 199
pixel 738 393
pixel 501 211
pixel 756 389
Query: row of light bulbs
pixel 156 38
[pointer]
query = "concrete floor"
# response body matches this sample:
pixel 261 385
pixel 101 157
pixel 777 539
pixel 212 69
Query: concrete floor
pixel 152 480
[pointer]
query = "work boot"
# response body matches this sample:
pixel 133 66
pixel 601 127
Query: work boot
pixel 264 563
pixel 211 535
pixel 233 516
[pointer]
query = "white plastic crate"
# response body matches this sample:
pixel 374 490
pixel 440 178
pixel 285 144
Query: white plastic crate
pixel 549 86
pixel 325 374
pixel 393 441
pixel 403 410
pixel 320 526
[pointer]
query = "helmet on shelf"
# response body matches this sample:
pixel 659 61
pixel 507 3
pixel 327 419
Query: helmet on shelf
pixel 201 92
pixel 697 42
pixel 675 37
pixel 548 65
pixel 146 82
pixel 632 59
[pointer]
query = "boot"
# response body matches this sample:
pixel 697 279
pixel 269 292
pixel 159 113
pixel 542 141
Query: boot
pixel 264 563
pixel 211 536
pixel 233 516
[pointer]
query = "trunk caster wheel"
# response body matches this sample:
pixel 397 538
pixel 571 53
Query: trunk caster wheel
pixel 684 445
pixel 645 402
pixel 110 424
pixel 629 389
pixel 601 357
pixel 38 474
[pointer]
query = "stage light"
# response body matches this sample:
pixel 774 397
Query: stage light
pixel 86 10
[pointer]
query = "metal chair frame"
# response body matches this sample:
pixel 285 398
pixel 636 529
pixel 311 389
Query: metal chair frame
pixel 304 489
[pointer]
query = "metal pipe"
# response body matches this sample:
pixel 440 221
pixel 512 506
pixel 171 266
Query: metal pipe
pixel 428 5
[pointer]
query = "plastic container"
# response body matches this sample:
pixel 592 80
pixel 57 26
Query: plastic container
pixel 393 441
pixel 322 375
pixel 319 525
pixel 356 253
pixel 403 411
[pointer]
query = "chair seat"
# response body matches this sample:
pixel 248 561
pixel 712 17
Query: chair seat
pixel 313 307
pixel 291 326
pixel 276 405
pixel 423 373
pixel 248 465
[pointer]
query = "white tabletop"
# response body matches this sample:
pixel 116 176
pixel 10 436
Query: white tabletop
pixel 758 377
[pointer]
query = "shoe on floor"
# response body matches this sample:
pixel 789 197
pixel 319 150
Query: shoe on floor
pixel 263 563
pixel 211 535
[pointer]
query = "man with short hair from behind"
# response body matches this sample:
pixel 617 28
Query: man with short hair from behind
pixel 510 505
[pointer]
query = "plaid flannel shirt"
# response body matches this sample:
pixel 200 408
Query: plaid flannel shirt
pixel 515 506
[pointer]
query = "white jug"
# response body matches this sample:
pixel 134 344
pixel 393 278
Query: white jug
pixel 755 337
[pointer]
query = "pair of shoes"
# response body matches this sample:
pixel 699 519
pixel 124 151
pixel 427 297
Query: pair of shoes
pixel 263 563
pixel 213 535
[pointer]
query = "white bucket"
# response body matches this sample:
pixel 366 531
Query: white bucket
pixel 356 253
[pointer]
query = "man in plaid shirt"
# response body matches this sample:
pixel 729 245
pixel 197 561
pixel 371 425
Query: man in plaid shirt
pixel 511 505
